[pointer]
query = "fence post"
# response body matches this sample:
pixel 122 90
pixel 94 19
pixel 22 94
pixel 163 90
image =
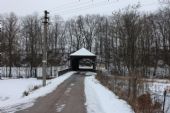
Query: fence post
pixel 164 101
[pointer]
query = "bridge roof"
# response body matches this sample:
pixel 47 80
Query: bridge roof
pixel 82 52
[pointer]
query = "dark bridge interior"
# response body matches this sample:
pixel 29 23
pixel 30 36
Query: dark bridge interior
pixel 75 63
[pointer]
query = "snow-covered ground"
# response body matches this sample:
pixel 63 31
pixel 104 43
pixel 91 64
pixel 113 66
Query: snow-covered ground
pixel 157 89
pixel 85 67
pixel 100 100
pixel 11 93
pixel 13 88
pixel 25 71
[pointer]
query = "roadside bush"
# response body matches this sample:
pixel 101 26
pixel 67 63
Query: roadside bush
pixel 141 104
pixel 146 105
pixel 103 79
pixel 35 88
pixel 25 93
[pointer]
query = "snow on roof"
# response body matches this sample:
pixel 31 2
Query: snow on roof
pixel 82 52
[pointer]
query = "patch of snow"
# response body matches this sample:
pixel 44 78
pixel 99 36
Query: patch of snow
pixel 13 109
pixel 82 52
pixel 24 72
pixel 60 107
pixel 90 73
pixel 160 71
pixel 12 89
pixel 101 100
pixel 16 90
pixel 85 67
pixel 68 91
pixel 158 88
pixel 72 84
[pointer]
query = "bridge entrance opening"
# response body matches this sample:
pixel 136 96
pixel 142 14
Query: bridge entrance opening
pixel 83 60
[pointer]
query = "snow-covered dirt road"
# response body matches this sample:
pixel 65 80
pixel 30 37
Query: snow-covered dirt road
pixel 74 95
pixel 11 92
pixel 67 98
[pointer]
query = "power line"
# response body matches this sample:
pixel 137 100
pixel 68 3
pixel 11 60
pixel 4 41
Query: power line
pixel 89 7
pixel 76 6
pixel 75 11
pixel 65 5
pixel 85 7
pixel 71 4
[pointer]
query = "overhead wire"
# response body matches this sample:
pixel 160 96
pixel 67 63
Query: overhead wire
pixel 71 4
pixel 75 6
pixel 83 8
pixel 79 8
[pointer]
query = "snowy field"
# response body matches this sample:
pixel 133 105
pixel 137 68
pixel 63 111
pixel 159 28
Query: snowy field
pixel 100 100
pixel 157 89
pixel 24 72
pixel 11 93
pixel 13 88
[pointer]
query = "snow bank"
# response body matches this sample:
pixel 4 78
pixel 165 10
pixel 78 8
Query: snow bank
pixel 25 71
pixel 12 89
pixel 100 100
pixel 158 88
pixel 16 101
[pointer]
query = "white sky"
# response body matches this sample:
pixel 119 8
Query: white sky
pixel 70 8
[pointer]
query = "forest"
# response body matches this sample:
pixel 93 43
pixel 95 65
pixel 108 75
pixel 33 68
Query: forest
pixel 127 42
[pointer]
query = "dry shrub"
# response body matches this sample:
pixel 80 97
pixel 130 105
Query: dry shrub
pixel 157 106
pixel 103 79
pixel 141 104
pixel 109 85
pixel 35 88
pixel 145 105
pixel 25 93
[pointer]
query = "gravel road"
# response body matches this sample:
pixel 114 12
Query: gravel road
pixel 67 98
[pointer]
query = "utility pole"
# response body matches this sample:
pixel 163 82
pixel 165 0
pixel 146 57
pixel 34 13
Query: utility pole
pixel 1 49
pixel 44 59
pixel 0 26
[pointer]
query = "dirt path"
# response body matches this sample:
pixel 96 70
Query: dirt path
pixel 67 98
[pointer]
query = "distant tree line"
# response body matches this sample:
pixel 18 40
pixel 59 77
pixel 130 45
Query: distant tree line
pixel 126 41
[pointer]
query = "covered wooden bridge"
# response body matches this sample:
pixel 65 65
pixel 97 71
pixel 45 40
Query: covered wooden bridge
pixel 83 60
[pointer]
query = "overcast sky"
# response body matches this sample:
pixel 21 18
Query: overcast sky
pixel 69 8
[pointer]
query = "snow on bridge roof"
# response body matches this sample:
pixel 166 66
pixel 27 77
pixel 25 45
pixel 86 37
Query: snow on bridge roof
pixel 82 52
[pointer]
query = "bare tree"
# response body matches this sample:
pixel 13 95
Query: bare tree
pixel 76 32
pixel 32 34
pixel 11 30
